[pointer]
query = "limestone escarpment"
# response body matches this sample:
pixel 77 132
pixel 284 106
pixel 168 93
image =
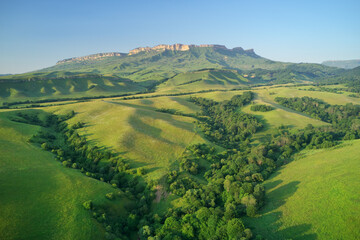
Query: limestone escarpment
pixel 185 47
pixel 159 48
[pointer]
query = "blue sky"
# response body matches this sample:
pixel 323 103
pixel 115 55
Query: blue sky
pixel 35 34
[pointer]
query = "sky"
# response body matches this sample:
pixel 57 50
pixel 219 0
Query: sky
pixel 36 34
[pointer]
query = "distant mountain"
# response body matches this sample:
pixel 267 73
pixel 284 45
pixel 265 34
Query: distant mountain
pixel 164 61
pixel 347 64
pixel 5 74
pixel 169 68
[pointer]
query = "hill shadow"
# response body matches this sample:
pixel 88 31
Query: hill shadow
pixel 268 223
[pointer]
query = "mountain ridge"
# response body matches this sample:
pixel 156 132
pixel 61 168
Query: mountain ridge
pixel 347 64
pixel 157 48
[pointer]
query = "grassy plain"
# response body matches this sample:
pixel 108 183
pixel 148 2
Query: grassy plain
pixel 314 197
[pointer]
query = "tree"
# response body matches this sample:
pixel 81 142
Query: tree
pixel 235 228
pixel 144 232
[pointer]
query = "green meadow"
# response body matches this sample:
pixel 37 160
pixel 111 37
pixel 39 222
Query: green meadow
pixel 316 196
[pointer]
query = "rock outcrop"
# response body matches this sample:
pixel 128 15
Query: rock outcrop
pixel 92 57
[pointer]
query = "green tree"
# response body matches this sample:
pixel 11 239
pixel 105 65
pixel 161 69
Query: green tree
pixel 235 228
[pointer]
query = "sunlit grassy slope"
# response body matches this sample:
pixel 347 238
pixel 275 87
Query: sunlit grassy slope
pixel 179 103
pixel 147 138
pixel 331 98
pixel 71 86
pixel 204 79
pixel 41 199
pixel 314 197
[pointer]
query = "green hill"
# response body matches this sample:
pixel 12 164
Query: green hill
pixel 314 197
pixel 62 85
pixel 204 79
pixel 148 138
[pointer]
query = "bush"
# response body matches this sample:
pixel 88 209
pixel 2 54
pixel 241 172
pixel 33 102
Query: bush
pixel 110 196
pixel 261 108
pixel 88 205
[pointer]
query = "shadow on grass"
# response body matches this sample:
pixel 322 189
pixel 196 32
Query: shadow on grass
pixel 147 129
pixel 269 224
pixel 148 111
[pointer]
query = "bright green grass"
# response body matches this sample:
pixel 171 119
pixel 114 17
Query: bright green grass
pixel 314 197
pixel 178 103
pixel 147 138
pixel 41 199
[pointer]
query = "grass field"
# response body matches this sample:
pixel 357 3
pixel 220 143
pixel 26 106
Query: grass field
pixel 314 197
pixel 41 199
pixel 146 137
pixel 178 103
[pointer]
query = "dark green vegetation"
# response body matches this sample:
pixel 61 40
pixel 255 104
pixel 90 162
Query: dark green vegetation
pixel 345 119
pixel 261 108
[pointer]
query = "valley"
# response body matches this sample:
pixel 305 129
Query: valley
pixel 180 142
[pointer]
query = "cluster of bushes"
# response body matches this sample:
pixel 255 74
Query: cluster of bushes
pixel 175 112
pixel 224 125
pixel 325 89
pixel 345 119
pixel 261 108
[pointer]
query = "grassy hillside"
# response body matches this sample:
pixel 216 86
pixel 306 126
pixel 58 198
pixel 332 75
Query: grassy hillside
pixel 62 85
pixel 314 197
pixel 204 79
pixel 146 137
pixel 41 199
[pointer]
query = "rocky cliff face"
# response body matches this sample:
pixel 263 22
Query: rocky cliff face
pixel 182 47
pixel 92 57
pixel 161 47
